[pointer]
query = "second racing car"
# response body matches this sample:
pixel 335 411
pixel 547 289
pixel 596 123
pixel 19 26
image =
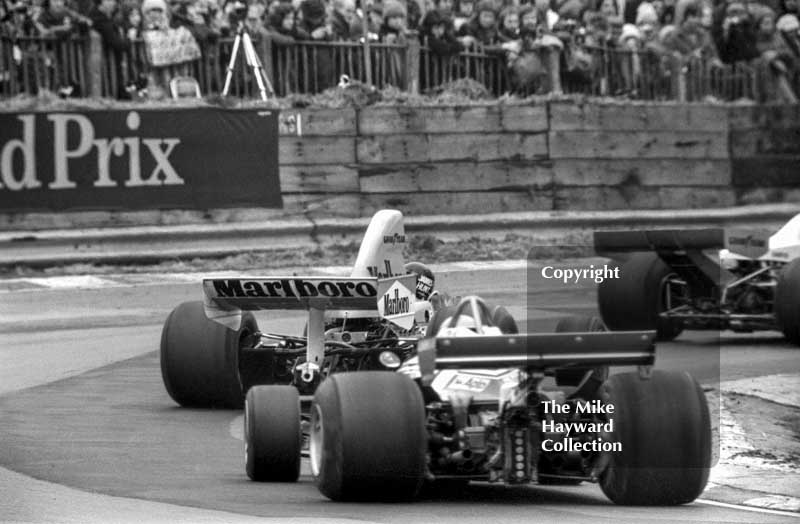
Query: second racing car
pixel 717 279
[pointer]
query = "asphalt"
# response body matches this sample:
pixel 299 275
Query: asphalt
pixel 148 244
pixel 94 438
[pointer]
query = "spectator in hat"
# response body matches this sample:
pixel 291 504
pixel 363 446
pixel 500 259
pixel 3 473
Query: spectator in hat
pixel 104 21
pixel 394 22
pixel 57 21
pixel 464 10
pixel 647 21
pixel 344 21
pixel 437 30
pixel 482 29
pixel 771 44
pixel 445 8
pixel 155 15
pixel 734 33
pixel 690 38
pixel 202 27
pixel 374 20
pixel 767 37
pixel 282 25
pixel 547 16
pixel 179 13
pixel 254 23
pixel 313 20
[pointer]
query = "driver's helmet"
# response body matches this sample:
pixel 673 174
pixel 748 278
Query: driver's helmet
pixel 425 279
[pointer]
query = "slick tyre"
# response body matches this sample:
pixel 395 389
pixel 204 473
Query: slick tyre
pixel 663 426
pixel 503 319
pixel 787 301
pixel 573 376
pixel 199 358
pixel 272 436
pixel 367 437
pixel 634 300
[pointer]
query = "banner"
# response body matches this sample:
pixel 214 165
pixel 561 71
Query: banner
pixel 170 46
pixel 139 159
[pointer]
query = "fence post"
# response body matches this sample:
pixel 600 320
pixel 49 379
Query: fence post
pixel 94 64
pixel 678 79
pixel 265 50
pixel 412 62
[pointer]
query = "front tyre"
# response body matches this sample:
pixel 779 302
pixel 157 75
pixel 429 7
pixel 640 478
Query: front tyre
pixel 200 358
pixel 367 437
pixel 663 426
pixel 787 301
pixel 272 435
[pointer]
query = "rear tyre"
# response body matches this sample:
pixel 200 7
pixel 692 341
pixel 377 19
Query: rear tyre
pixel 633 301
pixel 663 426
pixel 573 376
pixel 272 436
pixel 787 302
pixel 200 358
pixel 368 437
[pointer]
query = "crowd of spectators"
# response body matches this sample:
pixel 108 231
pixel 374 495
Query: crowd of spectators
pixel 541 40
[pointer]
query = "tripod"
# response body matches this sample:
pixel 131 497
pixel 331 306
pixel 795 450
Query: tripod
pixel 243 39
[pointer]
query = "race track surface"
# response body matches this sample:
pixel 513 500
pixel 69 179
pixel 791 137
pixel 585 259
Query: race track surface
pixel 85 407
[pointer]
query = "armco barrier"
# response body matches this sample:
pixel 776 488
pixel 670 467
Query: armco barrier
pixel 553 156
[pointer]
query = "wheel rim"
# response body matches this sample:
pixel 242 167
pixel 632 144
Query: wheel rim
pixel 315 441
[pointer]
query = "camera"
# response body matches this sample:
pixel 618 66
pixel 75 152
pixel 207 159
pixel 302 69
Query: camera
pixel 238 12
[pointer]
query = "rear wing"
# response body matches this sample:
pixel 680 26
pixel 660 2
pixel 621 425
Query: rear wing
pixel 748 243
pixel 391 298
pixel 536 351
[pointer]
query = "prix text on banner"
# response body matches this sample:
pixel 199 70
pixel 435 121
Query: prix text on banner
pixel 139 159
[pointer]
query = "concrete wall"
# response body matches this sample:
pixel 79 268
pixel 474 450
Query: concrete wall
pixel 556 156
pixel 494 158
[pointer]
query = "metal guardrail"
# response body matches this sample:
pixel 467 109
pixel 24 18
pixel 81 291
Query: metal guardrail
pixel 30 64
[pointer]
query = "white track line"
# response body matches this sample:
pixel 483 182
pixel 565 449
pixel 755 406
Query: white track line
pixel 748 508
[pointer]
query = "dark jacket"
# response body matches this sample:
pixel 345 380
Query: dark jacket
pixel 110 31
pixel 482 35
pixel 448 44
pixel 341 28
pixel 739 44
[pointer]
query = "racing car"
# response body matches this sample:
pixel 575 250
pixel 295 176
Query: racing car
pixel 212 351
pixel 472 404
pixel 671 280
